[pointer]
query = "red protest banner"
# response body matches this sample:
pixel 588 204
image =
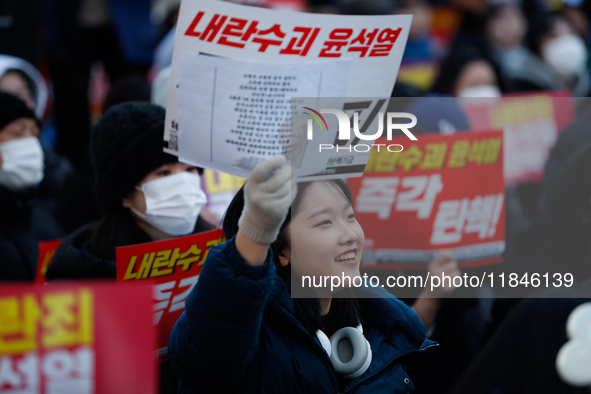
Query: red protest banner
pixel 46 251
pixel 531 123
pixel 440 192
pixel 83 338
pixel 172 268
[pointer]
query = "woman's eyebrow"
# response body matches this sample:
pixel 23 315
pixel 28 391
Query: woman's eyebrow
pixel 319 212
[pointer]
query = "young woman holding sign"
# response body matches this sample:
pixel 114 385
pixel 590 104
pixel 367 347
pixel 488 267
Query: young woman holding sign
pixel 243 332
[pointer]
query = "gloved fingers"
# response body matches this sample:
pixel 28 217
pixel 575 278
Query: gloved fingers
pixel 277 180
pixel 286 201
pixel 262 171
pixel 281 205
pixel 283 190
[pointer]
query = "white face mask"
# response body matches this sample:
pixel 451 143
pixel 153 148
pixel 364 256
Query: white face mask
pixel 566 54
pixel 480 91
pixel 22 163
pixel 173 202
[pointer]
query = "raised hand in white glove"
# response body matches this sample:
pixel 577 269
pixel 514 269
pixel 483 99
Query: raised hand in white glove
pixel 267 199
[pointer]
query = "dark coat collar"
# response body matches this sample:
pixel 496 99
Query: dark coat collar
pixel 16 204
pixel 383 314
pixel 73 260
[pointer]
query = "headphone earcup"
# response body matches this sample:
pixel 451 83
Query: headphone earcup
pixel 350 352
pixel 324 341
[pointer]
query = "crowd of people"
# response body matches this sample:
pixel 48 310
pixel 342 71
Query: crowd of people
pixel 97 178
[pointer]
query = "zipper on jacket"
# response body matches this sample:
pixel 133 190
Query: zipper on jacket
pixel 319 350
pixel 330 368
pixel 349 388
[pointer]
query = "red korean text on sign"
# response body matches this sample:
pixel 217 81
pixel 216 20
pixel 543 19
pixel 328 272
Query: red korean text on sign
pixel 339 39
pixel 239 32
pixel 301 45
pixel 236 32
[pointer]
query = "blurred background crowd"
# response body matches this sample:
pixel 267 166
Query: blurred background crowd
pixel 69 61
pixel 72 60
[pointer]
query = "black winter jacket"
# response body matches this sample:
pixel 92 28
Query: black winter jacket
pixel 23 224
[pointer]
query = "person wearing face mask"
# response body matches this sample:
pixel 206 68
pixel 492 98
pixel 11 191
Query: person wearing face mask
pixel 23 222
pixel 244 330
pixel 558 60
pixel 22 79
pixel 145 194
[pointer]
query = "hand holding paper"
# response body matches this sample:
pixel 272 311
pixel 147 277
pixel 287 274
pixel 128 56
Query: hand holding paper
pixel 267 198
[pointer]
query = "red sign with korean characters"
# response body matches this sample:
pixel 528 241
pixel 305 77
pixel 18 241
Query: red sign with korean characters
pixel 171 267
pixel 83 338
pixel 442 192
pixel 46 251
pixel 531 124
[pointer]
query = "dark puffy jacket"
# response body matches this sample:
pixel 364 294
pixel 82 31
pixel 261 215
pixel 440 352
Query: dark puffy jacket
pixel 72 260
pixel 23 224
pixel 239 334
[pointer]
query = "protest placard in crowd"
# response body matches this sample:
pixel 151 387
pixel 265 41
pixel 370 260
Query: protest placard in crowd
pixel 171 267
pixel 531 124
pixel 360 57
pixel 442 192
pixel 46 251
pixel 76 338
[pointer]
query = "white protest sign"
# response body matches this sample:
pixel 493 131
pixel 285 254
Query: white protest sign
pixel 375 45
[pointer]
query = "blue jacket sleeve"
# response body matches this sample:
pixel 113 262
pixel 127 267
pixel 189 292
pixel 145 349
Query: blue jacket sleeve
pixel 215 338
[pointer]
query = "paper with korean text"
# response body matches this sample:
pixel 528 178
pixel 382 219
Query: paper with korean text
pixel 375 45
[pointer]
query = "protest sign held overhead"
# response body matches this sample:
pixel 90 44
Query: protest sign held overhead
pixel 70 338
pixel 172 268
pixel 440 192
pixel 330 55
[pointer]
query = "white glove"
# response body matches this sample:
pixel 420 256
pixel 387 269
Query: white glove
pixel 267 199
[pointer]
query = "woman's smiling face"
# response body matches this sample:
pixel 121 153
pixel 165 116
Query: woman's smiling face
pixel 326 238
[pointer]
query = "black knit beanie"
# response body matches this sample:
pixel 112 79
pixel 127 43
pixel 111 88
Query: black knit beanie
pixel 13 108
pixel 125 146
